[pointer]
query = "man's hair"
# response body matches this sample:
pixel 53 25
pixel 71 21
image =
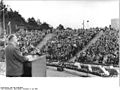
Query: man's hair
pixel 10 37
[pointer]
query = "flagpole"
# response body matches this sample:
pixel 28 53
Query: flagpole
pixel 10 28
pixel 4 31
pixel 83 25
pixel 4 23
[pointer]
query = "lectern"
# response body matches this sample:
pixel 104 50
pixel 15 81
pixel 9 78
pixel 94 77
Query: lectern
pixel 38 65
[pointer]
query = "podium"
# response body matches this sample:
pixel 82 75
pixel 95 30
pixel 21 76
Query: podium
pixel 38 65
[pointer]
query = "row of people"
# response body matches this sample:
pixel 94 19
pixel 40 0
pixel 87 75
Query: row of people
pixel 67 43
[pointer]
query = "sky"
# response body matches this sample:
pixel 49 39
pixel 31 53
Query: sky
pixel 68 13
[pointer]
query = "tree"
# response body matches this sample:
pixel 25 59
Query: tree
pixel 44 26
pixel 15 18
pixel 60 27
pixel 2 6
pixel 32 24
pixel 31 21
pixel 38 22
pixel 68 28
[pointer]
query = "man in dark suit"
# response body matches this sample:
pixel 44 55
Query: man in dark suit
pixel 14 59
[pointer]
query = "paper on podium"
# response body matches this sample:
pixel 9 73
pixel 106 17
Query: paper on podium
pixel 32 57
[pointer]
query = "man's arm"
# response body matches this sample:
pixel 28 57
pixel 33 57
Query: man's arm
pixel 19 56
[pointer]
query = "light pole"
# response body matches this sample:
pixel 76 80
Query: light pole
pixel 83 24
pixel 4 24
pixel 1 8
pixel 87 24
pixel 3 16
pixel 4 31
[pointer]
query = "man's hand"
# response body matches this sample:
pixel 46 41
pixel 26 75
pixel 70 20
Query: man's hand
pixel 27 59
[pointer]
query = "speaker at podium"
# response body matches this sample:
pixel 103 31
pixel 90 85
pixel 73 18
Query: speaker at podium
pixel 38 65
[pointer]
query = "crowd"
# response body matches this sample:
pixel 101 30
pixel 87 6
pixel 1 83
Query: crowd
pixel 28 40
pixel 2 51
pixel 67 43
pixel 104 51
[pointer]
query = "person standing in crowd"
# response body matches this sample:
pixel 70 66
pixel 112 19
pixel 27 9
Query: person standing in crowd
pixel 14 59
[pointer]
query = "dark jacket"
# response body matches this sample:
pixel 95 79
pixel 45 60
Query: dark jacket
pixel 14 61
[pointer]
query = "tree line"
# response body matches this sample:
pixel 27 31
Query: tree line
pixel 16 20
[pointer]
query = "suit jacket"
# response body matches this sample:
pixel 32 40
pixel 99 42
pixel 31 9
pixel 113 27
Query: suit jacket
pixel 14 61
